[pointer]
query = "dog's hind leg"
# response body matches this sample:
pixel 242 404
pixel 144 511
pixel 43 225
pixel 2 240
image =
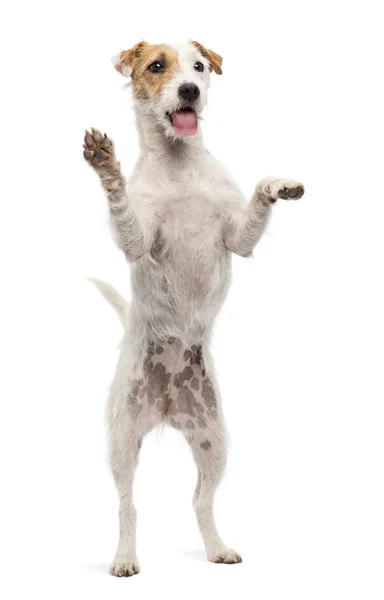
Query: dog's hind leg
pixel 209 451
pixel 194 410
pixel 125 445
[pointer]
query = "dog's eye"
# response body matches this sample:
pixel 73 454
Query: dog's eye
pixel 198 66
pixel 157 67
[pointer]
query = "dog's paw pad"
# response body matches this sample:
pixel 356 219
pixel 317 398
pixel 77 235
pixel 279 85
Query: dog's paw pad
pixel 98 148
pixel 124 569
pixel 228 557
pixel 287 189
pixel 293 193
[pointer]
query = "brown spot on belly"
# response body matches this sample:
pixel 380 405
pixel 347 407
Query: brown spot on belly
pixel 194 355
pixel 201 421
pixel 134 406
pixel 206 445
pixel 157 383
pixel 190 424
pixel 187 403
pixel 208 394
pixel 185 375
pixel 195 383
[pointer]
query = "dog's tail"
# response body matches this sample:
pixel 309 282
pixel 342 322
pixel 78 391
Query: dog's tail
pixel 120 305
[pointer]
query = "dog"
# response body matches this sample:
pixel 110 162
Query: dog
pixel 178 220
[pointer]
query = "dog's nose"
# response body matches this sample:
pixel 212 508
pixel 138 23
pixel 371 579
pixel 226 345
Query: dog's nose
pixel 189 92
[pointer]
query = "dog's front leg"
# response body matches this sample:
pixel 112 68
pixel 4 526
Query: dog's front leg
pixel 99 152
pixel 243 229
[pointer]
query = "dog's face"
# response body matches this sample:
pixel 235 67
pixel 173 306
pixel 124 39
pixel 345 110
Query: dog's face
pixel 172 80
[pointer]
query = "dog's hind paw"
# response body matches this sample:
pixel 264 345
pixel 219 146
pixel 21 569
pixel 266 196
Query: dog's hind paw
pixel 228 557
pixel 124 569
pixel 98 148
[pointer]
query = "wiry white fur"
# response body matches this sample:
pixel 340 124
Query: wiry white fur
pixel 178 221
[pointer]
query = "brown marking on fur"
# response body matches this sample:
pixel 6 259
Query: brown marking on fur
pixel 187 403
pixel 190 424
pixel 171 408
pixel 139 58
pixel 157 384
pixel 128 57
pixel 206 445
pixel 195 383
pixel 175 424
pixel 185 375
pixel 201 421
pixel 208 394
pixel 136 385
pixel 194 355
pixel 166 405
pixel 215 60
pixel 134 406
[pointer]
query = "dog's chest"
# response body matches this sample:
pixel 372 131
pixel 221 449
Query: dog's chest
pixel 190 219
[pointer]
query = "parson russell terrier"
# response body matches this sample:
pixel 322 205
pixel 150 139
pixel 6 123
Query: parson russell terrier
pixel 178 220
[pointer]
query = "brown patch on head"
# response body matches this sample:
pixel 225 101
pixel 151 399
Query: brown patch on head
pixel 127 58
pixel 215 60
pixel 136 62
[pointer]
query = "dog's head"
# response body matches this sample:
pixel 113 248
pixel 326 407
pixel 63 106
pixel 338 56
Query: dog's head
pixel 173 81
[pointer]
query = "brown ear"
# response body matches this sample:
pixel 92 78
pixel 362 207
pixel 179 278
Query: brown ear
pixel 124 62
pixel 215 60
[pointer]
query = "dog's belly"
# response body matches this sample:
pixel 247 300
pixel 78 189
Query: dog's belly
pixel 173 386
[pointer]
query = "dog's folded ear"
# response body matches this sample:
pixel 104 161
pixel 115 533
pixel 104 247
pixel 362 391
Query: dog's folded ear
pixel 124 62
pixel 215 60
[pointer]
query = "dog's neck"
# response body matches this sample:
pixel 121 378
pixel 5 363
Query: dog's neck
pixel 154 144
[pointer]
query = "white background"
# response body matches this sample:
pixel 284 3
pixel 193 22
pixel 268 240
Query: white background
pixel 298 345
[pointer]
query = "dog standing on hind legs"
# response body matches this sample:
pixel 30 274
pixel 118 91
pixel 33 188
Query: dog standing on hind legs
pixel 178 220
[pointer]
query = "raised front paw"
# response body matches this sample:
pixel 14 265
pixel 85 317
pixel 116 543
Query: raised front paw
pixel 287 189
pixel 98 148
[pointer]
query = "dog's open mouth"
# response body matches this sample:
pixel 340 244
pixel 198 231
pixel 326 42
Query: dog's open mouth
pixel 184 121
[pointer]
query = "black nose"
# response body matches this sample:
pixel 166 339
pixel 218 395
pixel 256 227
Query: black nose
pixel 189 92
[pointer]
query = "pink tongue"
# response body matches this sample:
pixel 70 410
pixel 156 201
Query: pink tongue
pixel 185 122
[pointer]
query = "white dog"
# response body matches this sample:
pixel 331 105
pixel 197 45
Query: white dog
pixel 177 221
